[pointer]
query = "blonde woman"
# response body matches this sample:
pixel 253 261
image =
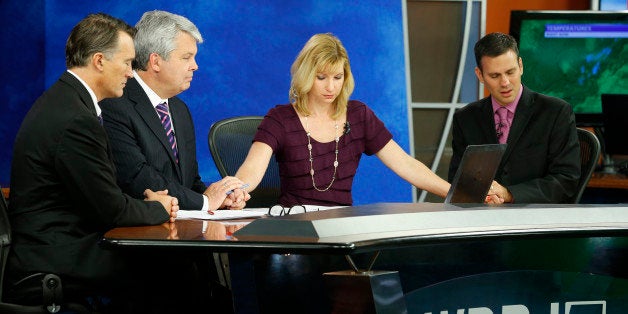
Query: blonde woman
pixel 319 138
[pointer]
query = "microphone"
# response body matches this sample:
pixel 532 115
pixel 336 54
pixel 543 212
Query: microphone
pixel 347 128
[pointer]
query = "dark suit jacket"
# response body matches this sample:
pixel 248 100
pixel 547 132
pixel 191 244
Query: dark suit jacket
pixel 141 150
pixel 542 161
pixel 64 194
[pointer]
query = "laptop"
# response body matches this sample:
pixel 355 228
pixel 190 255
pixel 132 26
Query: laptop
pixel 475 174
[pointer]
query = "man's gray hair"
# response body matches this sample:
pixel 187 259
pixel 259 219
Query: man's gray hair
pixel 156 33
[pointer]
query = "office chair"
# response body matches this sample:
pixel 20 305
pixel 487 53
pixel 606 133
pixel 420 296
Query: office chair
pixel 229 142
pixel 589 155
pixel 49 284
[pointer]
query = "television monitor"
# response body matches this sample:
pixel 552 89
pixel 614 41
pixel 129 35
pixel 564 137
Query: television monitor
pixel 574 55
pixel 615 115
pixel 613 5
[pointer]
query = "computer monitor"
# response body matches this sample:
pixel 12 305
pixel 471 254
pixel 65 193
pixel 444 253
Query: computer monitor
pixel 574 55
pixel 613 5
pixel 615 119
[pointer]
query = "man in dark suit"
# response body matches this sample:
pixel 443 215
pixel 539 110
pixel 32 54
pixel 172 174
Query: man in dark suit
pixel 542 161
pixel 151 130
pixel 64 194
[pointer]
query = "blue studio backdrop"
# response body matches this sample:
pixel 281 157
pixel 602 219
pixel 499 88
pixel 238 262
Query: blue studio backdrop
pixel 244 64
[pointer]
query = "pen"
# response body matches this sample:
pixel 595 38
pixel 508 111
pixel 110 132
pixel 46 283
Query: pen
pixel 244 186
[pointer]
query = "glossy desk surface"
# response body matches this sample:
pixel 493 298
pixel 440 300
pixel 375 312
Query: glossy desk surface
pixel 608 181
pixel 378 226
pixel 612 180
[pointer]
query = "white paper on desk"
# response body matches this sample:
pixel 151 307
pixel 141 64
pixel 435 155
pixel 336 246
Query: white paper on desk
pixel 218 214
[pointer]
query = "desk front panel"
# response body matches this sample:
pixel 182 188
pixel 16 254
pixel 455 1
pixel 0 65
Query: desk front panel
pixel 490 273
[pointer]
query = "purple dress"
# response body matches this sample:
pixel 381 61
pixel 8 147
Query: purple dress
pixel 283 132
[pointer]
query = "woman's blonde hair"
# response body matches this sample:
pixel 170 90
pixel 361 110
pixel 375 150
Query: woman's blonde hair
pixel 321 52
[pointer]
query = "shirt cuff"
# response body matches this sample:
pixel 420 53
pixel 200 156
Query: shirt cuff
pixel 205 203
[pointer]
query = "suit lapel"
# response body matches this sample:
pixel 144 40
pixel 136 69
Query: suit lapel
pixel 487 129
pixel 521 119
pixel 87 101
pixel 81 90
pixel 146 110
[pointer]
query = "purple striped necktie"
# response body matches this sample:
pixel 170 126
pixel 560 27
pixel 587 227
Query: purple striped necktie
pixel 502 127
pixel 164 115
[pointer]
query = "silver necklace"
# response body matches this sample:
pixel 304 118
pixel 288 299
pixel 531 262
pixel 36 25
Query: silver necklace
pixel 309 148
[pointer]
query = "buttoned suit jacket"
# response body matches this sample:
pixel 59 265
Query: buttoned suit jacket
pixel 142 152
pixel 64 195
pixel 541 163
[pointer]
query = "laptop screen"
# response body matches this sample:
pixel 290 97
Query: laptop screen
pixel 475 174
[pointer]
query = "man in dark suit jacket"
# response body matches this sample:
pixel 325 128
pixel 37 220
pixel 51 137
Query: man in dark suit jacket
pixel 165 50
pixel 64 194
pixel 542 160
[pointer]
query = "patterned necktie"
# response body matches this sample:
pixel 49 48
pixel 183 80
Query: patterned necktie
pixel 164 114
pixel 100 119
pixel 502 127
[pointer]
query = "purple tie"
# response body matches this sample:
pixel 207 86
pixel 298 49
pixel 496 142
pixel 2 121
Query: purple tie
pixel 501 126
pixel 164 114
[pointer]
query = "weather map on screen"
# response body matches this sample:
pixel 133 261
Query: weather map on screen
pixel 574 57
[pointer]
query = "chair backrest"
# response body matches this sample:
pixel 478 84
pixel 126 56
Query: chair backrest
pixel 5 239
pixel 229 142
pixel 52 297
pixel 589 155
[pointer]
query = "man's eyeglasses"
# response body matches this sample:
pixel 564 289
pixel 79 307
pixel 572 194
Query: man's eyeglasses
pixel 278 210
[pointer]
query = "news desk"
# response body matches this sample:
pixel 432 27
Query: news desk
pixel 556 259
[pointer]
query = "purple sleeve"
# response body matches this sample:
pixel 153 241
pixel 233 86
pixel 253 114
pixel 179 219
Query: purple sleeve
pixel 270 131
pixel 375 132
